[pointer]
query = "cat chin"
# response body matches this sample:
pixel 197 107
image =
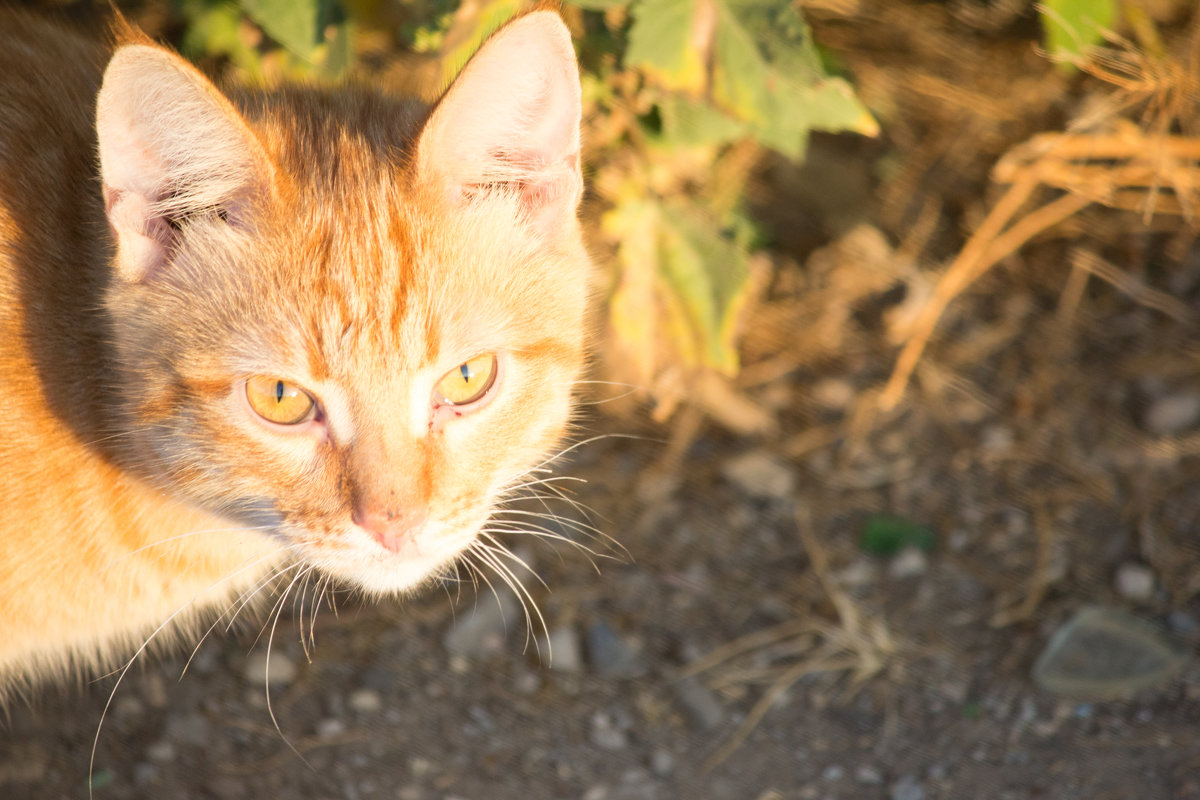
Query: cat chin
pixel 391 574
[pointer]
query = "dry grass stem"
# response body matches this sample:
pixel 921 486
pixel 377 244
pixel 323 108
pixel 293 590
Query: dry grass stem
pixel 1091 263
pixel 952 283
pixel 858 644
pixel 1040 580
pixel 1126 166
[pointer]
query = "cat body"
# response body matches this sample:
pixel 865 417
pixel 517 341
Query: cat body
pixel 268 333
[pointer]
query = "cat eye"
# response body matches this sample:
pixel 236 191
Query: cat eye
pixel 278 401
pixel 468 382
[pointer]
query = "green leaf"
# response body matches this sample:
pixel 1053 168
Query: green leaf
pixel 214 30
pixel 292 23
pixel 828 105
pixel 661 44
pixel 740 74
pixel 886 535
pixel 682 283
pixel 688 123
pixel 768 72
pixel 706 274
pixel 1071 27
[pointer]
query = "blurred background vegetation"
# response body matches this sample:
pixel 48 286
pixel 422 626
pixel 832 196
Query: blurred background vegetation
pixel 689 104
pixel 934 266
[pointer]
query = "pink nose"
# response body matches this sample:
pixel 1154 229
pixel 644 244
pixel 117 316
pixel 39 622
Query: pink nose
pixel 395 530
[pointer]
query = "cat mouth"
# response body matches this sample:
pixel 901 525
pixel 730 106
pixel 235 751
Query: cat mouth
pixel 384 567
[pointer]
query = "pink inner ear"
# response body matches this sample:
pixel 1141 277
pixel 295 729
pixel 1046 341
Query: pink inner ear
pixel 511 121
pixel 170 145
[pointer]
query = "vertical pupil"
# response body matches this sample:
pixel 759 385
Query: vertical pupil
pixel 278 391
pixel 465 371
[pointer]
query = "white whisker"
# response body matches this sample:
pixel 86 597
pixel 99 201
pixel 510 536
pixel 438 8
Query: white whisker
pixel 278 611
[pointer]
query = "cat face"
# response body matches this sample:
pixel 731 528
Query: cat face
pixel 351 327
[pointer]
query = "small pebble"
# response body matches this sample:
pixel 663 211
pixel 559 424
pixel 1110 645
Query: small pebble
pixel 833 773
pixel 1172 414
pixel 605 733
pixel 868 775
pixel 330 728
pixel 1135 581
pixel 480 632
pixel 161 751
pixel 858 573
pixel 907 788
pixel 527 683
pixel 663 763
pixel 997 439
pixel 759 474
pixel 701 704
pixel 365 701
pixel 835 394
pixel 910 562
pixel 1183 623
pixel 144 773
pixel 128 706
pixel 275 671
pixel 610 655
pixel 563 650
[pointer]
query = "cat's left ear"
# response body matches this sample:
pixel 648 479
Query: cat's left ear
pixel 171 145
pixel 510 122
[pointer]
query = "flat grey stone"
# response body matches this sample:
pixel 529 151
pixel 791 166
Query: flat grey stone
pixel 1106 653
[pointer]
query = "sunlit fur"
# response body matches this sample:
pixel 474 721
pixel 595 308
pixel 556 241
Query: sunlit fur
pixel 139 490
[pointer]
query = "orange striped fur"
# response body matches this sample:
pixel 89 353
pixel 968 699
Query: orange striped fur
pixel 354 245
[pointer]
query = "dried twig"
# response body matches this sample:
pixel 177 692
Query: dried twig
pixel 988 245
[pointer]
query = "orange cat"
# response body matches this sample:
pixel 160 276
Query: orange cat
pixel 263 334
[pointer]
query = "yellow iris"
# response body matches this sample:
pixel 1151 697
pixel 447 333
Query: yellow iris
pixel 469 381
pixel 278 401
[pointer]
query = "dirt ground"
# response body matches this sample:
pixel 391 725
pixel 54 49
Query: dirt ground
pixel 742 642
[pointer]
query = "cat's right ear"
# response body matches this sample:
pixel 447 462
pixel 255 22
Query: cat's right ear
pixel 170 145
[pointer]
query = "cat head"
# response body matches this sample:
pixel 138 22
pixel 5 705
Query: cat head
pixel 351 322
